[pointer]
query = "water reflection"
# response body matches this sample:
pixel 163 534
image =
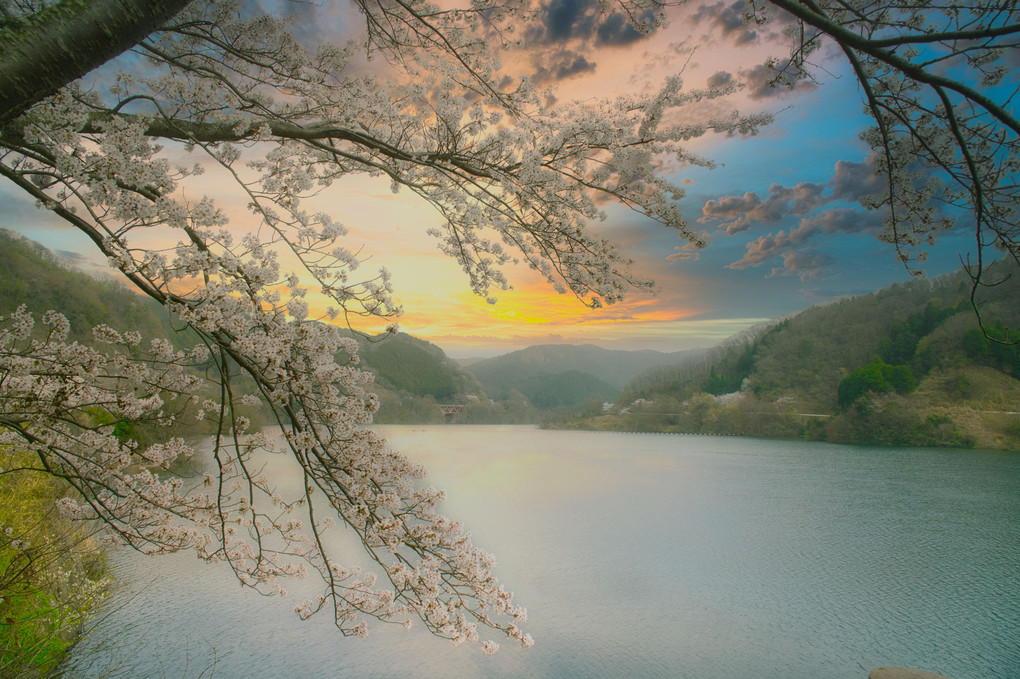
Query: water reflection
pixel 653 556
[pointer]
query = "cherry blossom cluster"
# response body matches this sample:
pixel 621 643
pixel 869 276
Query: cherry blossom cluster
pixel 62 402
pixel 512 181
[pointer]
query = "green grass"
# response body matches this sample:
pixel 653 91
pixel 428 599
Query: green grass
pixel 52 574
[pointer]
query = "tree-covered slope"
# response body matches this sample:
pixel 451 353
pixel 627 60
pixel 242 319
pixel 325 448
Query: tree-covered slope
pixel 554 390
pixel 31 275
pixel 907 365
pixel 414 377
pixel 500 374
pixel 403 362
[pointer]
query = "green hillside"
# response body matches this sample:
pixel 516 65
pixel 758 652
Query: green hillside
pixel 568 388
pixel 904 366
pixel 31 275
pixel 414 377
pixel 405 363
pixel 501 374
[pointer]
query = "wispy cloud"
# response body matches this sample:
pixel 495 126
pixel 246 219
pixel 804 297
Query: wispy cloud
pixel 728 18
pixel 823 209
pixel 688 252
pixel 581 21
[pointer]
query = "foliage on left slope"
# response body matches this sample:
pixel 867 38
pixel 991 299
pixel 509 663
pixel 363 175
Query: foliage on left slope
pixel 32 275
pixel 52 573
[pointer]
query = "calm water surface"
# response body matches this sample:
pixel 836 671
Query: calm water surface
pixel 644 556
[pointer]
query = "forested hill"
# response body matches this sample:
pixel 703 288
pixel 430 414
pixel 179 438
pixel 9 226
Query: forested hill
pixel 612 368
pixel 903 366
pixel 412 377
pixel 906 365
pixel 31 275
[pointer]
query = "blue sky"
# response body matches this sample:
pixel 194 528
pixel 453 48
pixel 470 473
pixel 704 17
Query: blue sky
pixel 769 253
pixel 780 214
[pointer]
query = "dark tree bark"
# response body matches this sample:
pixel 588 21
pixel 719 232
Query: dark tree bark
pixel 41 53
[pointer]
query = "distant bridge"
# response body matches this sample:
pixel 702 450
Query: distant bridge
pixel 451 409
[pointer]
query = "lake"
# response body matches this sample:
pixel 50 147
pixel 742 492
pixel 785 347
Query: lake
pixel 645 556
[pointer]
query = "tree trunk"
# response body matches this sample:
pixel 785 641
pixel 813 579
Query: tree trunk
pixel 41 53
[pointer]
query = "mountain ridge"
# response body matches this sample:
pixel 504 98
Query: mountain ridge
pixel 835 372
pixel 614 366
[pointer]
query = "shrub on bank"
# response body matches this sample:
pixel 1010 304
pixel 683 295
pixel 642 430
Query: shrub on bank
pixel 52 573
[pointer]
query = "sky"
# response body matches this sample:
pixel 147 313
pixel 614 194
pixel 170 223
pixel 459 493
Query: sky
pixel 779 211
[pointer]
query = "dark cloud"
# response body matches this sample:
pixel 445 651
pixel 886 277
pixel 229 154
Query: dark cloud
pixel 845 220
pixel 566 19
pixel 720 79
pixel 737 209
pixel 805 264
pixel 793 245
pixel 741 211
pixel 560 41
pixel 760 82
pixel 824 210
pixel 853 181
pixel 617 30
pixel 850 182
pixel 729 19
pixel 584 21
pixel 772 245
pixel 560 66
pixel 802 198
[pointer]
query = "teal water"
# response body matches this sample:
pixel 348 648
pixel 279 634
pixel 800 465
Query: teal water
pixel 645 556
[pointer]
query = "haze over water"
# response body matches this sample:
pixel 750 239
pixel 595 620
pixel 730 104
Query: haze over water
pixel 645 556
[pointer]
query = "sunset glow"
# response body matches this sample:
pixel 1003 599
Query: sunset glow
pixel 767 254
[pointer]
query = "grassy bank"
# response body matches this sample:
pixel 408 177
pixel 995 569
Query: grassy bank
pixel 967 406
pixel 52 572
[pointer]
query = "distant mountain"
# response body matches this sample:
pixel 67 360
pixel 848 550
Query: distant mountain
pixel 468 362
pixel 413 377
pixel 903 366
pixel 501 374
pixel 555 390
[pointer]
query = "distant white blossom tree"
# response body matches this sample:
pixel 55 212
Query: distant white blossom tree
pixel 237 91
